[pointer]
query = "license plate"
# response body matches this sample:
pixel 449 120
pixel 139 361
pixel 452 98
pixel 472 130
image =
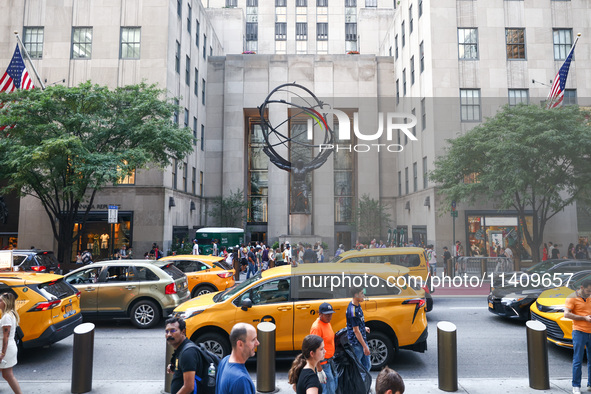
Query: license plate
pixel 490 305
pixel 68 311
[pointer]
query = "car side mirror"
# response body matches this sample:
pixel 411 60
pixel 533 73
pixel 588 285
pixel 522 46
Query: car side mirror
pixel 246 304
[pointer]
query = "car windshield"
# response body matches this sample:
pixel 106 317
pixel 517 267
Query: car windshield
pixel 222 264
pixel 224 295
pixel 575 284
pixel 541 267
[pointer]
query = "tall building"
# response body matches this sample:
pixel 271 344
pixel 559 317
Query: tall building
pixel 449 63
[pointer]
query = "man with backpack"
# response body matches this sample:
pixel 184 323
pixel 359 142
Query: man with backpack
pixel 193 366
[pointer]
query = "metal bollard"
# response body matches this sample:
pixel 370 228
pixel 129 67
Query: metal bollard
pixel 537 355
pixel 167 376
pixel 82 359
pixel 447 356
pixel 266 357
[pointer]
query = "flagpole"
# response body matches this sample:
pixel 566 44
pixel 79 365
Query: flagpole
pixel 30 61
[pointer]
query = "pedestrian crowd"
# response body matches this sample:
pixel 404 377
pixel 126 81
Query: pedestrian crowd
pixel 581 251
pixel 314 370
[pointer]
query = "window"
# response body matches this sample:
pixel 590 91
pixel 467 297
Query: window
pixel 518 96
pixel 425 174
pixel 258 173
pixel 130 43
pixel 396 47
pixel 410 20
pixel 197 26
pixel 321 3
pixel 189 17
pixel 203 91
pixel 177 58
pixel 204 46
pixel 252 3
pixel 412 70
pixel 202 139
pixel 126 178
pixel 515 40
pixel 414 129
pixel 399 183
pixel 280 3
pixel 406 179
pixel 33 41
pixel 420 8
pixel 194 181
pixel 231 3
pixel 350 31
pixel 350 3
pixel 186 117
pixel 344 182
pixel 175 167
pixel 175 118
pixel 371 3
pixel 179 8
pixel 81 42
pixel 196 83
pixel 322 31
pixel 415 176
pixel 468 43
pixel 404 82
pixel 194 131
pixel 301 31
pixel 422 57
pixel 252 31
pixel 470 105
pixel 397 91
pixel 423 115
pixel 301 3
pixel 185 177
pixel 403 36
pixel 563 41
pixel 570 97
pixel 280 31
pixel 188 71
pixel 201 183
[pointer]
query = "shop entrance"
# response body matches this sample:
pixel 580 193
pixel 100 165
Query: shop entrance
pixel 101 238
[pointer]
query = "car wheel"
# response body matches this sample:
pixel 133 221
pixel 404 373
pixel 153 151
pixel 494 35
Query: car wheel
pixel 203 289
pixel 429 299
pixel 381 350
pixel 215 343
pixel 145 314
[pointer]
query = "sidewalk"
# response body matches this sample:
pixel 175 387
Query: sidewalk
pixel 426 386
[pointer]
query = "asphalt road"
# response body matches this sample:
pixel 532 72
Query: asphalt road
pixel 488 347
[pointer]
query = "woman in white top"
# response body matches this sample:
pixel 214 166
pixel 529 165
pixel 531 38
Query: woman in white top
pixel 9 322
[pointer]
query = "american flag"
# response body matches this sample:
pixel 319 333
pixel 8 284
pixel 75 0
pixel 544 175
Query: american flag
pixel 16 75
pixel 557 91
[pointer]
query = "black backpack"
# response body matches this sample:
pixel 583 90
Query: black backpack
pixel 201 375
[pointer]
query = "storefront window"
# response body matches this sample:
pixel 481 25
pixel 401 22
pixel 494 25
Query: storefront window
pixel 101 238
pixel 488 235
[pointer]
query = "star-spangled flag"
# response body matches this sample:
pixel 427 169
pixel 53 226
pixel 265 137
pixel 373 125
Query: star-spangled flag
pixel 16 76
pixel 557 90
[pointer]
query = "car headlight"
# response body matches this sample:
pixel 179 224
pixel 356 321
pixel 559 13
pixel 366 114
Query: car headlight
pixel 551 308
pixel 511 298
pixel 192 312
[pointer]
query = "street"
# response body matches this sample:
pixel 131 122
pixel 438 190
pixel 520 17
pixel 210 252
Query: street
pixel 488 347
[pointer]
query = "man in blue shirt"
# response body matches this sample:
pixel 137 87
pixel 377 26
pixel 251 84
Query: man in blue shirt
pixel 356 330
pixel 232 376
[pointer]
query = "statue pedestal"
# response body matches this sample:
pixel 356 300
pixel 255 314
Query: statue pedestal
pixel 300 224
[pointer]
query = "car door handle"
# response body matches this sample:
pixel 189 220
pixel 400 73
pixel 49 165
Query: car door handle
pixel 90 289
pixel 130 287
pixel 305 306
pixel 284 308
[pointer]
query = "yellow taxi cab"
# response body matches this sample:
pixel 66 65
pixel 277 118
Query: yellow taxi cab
pixel 48 306
pixel 549 309
pixel 206 274
pixel 289 297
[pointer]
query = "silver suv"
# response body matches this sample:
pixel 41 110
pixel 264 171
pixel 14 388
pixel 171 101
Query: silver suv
pixel 142 290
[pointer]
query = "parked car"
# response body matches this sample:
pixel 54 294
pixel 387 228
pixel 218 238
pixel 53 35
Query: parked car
pixel 559 266
pixel 549 309
pixel 205 274
pixel 514 302
pixel 34 260
pixel 142 290
pixel 289 297
pixel 48 306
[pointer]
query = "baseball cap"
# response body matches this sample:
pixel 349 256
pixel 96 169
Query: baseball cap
pixel 325 308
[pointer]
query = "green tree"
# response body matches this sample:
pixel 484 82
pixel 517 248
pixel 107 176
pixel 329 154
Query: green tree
pixel 229 211
pixel 370 218
pixel 66 144
pixel 524 158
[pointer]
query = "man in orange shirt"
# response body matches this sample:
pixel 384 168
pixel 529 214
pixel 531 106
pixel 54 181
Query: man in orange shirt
pixel 578 309
pixel 326 368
